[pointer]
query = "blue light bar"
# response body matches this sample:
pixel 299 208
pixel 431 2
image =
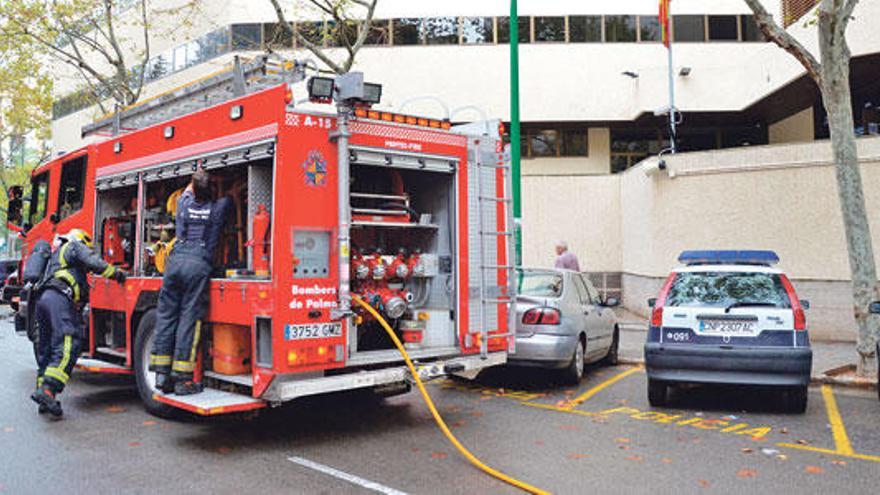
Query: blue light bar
pixel 763 258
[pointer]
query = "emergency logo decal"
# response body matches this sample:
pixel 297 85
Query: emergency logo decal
pixel 315 168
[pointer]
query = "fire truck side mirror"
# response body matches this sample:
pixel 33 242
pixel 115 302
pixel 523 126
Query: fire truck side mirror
pixel 13 209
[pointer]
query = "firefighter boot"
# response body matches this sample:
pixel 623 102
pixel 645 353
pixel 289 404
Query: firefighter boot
pixel 188 387
pixel 45 397
pixel 164 383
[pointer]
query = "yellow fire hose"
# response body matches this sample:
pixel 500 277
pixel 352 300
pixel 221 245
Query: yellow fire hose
pixel 442 424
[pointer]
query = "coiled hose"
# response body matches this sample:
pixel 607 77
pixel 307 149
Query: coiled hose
pixel 442 424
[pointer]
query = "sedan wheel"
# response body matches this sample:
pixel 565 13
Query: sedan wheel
pixel 575 370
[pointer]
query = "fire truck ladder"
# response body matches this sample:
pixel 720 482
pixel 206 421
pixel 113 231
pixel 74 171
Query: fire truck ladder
pixel 243 78
pixel 508 298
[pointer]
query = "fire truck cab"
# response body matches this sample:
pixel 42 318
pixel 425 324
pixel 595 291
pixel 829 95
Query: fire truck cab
pixel 430 247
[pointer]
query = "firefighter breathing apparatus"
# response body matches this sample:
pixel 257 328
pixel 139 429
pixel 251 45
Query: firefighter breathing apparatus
pixel 436 414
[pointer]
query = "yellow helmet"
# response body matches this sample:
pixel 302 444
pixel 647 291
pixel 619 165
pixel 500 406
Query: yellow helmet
pixel 81 236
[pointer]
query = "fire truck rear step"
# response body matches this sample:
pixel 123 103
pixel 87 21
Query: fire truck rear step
pixel 212 402
pixel 98 366
pixel 243 380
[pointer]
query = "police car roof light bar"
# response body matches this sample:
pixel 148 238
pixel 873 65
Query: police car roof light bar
pixel 746 257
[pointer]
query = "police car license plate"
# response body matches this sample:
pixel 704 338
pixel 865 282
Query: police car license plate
pixel 728 327
pixel 312 331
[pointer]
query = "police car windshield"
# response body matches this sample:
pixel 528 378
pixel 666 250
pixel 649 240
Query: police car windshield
pixel 539 284
pixel 727 289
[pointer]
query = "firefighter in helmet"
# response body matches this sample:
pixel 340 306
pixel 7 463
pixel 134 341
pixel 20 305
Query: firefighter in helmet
pixel 183 299
pixel 58 313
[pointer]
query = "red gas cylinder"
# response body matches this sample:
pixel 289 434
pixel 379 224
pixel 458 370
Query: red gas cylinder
pixel 261 246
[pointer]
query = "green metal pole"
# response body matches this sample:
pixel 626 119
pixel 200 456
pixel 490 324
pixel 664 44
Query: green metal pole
pixel 514 130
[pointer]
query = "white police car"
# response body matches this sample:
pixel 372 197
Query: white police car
pixel 728 317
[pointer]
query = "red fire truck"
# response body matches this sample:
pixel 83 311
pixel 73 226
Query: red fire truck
pixel 410 214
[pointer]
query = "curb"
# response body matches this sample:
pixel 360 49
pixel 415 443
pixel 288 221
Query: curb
pixel 823 379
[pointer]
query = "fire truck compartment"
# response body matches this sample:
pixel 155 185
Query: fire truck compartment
pixel 403 246
pixel 248 182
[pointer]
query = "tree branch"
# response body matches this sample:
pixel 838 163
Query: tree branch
pixel 316 50
pixel 785 40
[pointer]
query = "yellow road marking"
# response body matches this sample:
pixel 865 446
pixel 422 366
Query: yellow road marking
pixel 561 409
pixel 829 452
pixel 843 447
pixel 580 399
pixel 841 439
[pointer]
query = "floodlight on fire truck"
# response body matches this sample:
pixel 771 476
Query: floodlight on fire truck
pixel 321 89
pixel 372 93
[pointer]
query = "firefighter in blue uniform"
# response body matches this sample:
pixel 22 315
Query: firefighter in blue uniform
pixel 58 314
pixel 183 300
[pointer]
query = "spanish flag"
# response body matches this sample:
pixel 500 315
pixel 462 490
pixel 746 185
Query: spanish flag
pixel 664 22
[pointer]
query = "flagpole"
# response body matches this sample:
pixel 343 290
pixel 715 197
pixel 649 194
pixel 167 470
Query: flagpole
pixel 671 100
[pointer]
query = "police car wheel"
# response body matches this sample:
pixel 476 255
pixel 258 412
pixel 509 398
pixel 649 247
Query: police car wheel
pixel 797 399
pixel 575 370
pixel 146 380
pixel 657 393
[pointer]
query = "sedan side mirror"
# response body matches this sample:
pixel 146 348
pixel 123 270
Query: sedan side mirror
pixel 652 302
pixel 874 307
pixel 611 302
pixel 805 304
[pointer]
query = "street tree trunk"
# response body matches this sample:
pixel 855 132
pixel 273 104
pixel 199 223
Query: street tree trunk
pixel 831 74
pixel 836 97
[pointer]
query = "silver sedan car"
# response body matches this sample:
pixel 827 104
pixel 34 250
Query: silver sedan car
pixel 562 322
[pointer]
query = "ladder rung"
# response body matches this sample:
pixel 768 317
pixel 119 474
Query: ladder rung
pixel 496 233
pixel 497 301
pixel 500 200
pixel 498 267
pixel 502 167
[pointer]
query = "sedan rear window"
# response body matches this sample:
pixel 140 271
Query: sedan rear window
pixel 539 284
pixel 725 289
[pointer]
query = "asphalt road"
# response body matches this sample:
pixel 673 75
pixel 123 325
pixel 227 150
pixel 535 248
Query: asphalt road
pixel 601 435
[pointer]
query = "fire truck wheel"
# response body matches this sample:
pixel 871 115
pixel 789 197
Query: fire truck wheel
pixel 146 380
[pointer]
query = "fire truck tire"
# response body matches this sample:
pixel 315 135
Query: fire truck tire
pixel 145 379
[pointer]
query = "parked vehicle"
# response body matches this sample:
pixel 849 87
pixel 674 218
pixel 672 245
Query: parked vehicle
pixel 562 322
pixel 875 309
pixel 728 317
pixel 327 206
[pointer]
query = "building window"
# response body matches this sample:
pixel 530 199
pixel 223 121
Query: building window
pixel 620 28
pixel 722 28
pixel 440 30
pixel 549 29
pixel 276 37
pixel 750 30
pixel 585 28
pixel 544 143
pixel 574 143
pixel 378 34
pixel 689 28
pixel 406 31
pixel 73 177
pixel 244 37
pixel 477 30
pixel 525 30
pixel 214 43
pixel 649 28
